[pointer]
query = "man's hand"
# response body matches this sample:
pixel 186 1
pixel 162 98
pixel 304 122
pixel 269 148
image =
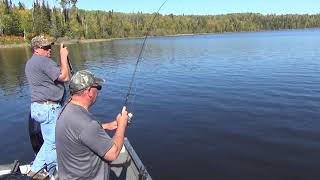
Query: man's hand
pixel 122 119
pixel 110 126
pixel 65 72
pixel 63 52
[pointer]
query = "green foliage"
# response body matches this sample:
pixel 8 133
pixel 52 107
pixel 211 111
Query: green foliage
pixel 21 6
pixel 41 18
pixel 82 24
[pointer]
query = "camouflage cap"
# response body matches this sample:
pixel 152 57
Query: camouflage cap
pixel 82 80
pixel 39 42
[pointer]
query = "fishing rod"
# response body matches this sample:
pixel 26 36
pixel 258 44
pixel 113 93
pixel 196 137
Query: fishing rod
pixel 139 59
pixel 70 66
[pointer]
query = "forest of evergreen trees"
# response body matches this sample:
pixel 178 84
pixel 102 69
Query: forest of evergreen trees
pixel 66 20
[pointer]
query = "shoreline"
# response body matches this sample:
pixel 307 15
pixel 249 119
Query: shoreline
pixel 83 41
pixel 4 46
pixel 70 41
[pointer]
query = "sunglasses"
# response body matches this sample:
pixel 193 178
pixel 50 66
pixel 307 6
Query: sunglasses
pixel 98 87
pixel 46 47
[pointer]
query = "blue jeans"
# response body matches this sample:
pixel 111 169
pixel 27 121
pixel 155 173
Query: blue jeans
pixel 46 115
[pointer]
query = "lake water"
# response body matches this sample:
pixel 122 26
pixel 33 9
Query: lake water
pixel 224 106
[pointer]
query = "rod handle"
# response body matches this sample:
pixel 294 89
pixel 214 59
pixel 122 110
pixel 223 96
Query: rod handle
pixel 69 63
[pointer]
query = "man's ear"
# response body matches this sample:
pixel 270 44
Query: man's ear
pixel 89 93
pixel 35 50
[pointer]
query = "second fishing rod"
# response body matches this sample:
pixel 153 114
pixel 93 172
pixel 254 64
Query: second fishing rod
pixel 139 59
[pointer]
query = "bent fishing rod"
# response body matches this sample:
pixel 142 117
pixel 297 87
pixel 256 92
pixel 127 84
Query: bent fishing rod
pixel 139 59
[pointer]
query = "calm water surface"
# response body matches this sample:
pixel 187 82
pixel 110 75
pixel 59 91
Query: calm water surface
pixel 227 106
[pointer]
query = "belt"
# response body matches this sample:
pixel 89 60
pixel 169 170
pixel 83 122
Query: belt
pixel 47 102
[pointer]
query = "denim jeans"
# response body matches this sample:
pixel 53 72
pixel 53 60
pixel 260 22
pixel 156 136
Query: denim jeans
pixel 46 115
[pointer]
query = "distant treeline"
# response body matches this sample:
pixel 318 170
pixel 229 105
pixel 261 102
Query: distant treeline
pixel 69 21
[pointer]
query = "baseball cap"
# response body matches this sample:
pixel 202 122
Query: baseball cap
pixel 40 41
pixel 82 80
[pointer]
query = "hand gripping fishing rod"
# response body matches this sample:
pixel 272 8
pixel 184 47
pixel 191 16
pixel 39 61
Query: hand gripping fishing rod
pixel 69 64
pixel 138 60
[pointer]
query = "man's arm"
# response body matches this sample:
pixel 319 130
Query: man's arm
pixel 65 71
pixel 118 137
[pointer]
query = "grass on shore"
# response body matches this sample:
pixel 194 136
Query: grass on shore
pixel 11 40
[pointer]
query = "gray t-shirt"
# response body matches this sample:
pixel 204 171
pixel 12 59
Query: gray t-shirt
pixel 81 145
pixel 42 74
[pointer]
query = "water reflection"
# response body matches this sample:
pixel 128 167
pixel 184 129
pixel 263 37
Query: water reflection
pixel 82 56
pixel 12 62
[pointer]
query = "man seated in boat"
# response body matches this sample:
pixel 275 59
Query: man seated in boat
pixel 83 147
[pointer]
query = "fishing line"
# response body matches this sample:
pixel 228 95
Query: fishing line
pixel 136 84
pixel 140 54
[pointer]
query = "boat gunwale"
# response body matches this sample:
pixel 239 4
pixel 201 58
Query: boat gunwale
pixel 136 159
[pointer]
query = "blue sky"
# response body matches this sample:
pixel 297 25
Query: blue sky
pixel 200 7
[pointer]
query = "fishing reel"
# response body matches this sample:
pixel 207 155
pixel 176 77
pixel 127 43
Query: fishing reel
pixel 130 116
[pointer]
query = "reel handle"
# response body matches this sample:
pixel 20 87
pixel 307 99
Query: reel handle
pixel 130 116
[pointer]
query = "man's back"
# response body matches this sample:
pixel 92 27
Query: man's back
pixel 42 74
pixel 81 142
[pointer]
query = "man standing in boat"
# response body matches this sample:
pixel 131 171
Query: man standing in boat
pixel 83 146
pixel 46 80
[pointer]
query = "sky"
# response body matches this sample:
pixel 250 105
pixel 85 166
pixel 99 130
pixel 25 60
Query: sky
pixel 199 7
